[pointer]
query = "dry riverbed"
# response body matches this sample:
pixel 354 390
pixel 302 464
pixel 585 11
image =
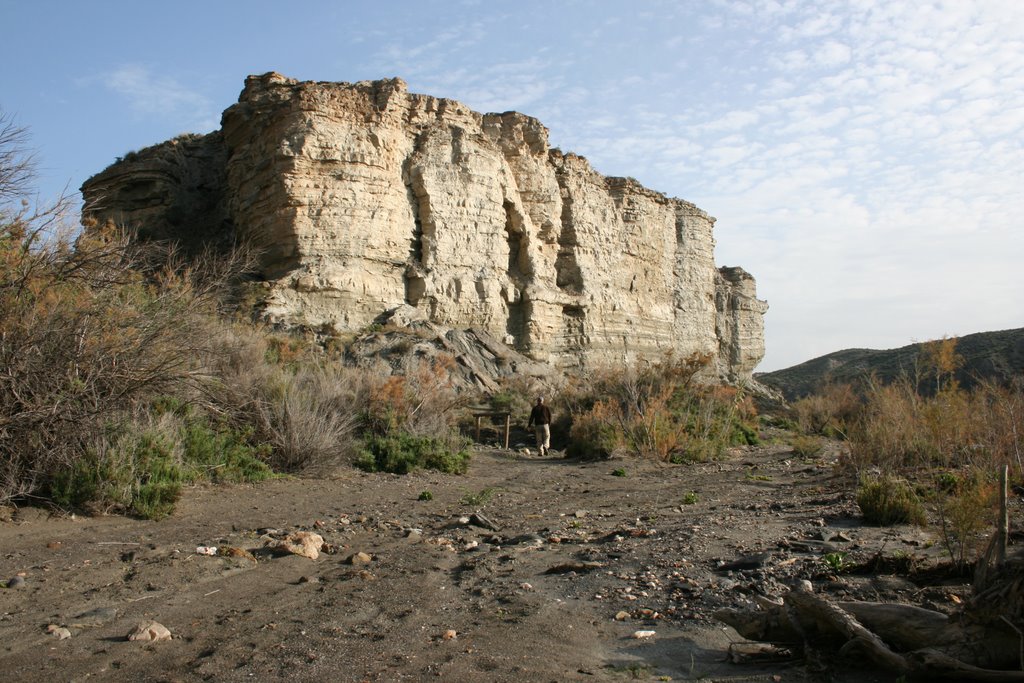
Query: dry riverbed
pixel 565 572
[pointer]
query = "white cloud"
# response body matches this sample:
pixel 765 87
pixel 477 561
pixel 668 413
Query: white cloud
pixel 149 93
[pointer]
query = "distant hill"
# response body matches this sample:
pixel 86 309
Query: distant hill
pixel 987 355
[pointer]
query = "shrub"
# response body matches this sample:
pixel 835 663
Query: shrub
pixel 141 468
pixel 889 500
pixel 966 507
pixel 401 453
pixel 306 412
pixel 420 401
pixel 953 428
pixel 806 446
pixel 594 434
pixel 659 412
pixel 829 412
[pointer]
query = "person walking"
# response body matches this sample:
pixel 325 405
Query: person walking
pixel 540 419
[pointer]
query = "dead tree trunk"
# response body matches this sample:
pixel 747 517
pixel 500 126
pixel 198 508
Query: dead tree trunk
pixel 983 642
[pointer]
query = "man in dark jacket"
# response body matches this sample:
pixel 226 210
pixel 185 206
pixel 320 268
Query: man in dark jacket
pixel 540 419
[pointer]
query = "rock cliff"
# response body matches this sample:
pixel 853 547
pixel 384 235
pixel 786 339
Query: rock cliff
pixel 364 197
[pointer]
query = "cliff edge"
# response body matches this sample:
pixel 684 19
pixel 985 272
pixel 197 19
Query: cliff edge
pixel 364 197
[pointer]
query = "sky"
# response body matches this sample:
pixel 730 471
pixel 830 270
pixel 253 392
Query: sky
pixel 864 158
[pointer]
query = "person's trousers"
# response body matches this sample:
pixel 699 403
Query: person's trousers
pixel 543 437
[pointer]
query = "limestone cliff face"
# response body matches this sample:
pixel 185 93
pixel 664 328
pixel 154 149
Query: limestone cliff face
pixel 364 197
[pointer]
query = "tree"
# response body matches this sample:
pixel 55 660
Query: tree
pixel 940 360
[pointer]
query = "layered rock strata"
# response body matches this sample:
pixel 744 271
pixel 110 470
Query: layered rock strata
pixel 364 197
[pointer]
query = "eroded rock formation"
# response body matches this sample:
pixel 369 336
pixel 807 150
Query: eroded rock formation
pixel 365 197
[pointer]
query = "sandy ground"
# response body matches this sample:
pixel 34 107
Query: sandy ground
pixel 533 599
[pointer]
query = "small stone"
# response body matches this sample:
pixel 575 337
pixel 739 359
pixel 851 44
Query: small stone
pixel 580 514
pixel 450 634
pixel 150 632
pixel 622 616
pixel 476 519
pixel 526 587
pixel 61 633
pixel 54 545
pixel 309 579
pixel 472 545
pixel 16 582
pixel 640 635
pixel 360 558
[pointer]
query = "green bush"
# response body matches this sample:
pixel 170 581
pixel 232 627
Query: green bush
pixel 805 445
pixel 889 500
pixel 142 469
pixel 224 455
pixel 401 453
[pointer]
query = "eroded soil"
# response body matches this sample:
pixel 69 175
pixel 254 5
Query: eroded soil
pixel 534 599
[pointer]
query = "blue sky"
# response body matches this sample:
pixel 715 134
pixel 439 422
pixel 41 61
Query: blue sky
pixel 864 158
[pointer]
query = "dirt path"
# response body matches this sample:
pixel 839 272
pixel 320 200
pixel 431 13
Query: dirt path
pixel 534 599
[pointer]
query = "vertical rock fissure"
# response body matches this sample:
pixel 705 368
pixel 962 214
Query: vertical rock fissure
pixel 516 321
pixel 568 276
pixel 416 264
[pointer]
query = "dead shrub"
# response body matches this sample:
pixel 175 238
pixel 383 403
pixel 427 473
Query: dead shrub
pixel 421 402
pixel 307 411
pixel 828 412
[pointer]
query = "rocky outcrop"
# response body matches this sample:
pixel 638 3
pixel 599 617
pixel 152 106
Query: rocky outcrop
pixel 364 197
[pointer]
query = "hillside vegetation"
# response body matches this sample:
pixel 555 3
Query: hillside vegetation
pixel 997 356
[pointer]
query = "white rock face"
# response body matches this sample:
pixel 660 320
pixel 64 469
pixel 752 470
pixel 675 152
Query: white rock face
pixel 364 198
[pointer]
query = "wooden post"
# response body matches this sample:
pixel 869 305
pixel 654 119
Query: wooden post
pixel 1004 516
pixel 478 418
pixel 508 425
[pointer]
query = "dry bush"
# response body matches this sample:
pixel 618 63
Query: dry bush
pixel 828 412
pixel 657 411
pixel 899 428
pixel 307 411
pixel 83 335
pixel 966 507
pixel 422 401
pixel 890 433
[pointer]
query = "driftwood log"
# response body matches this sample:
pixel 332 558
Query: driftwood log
pixel 983 641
